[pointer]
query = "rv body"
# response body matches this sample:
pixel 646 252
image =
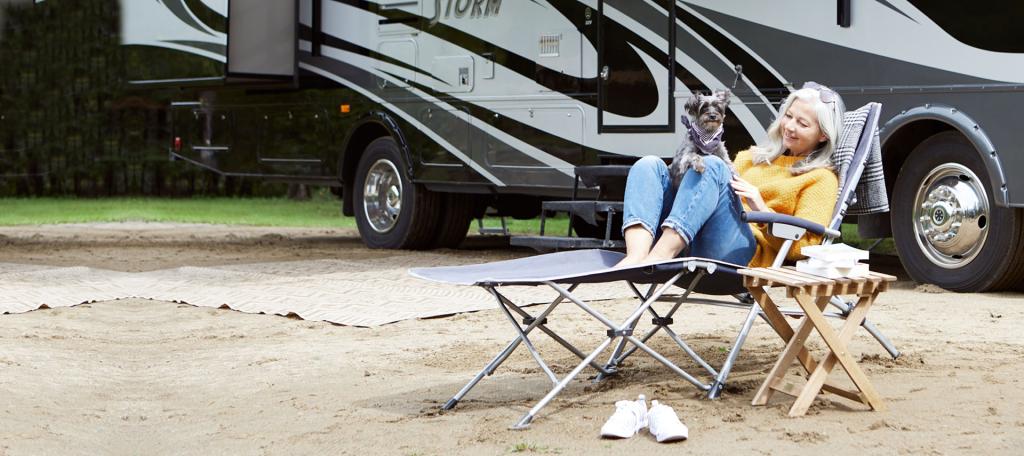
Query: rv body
pixel 496 102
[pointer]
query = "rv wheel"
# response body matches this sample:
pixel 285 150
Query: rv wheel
pixel 947 228
pixel 457 212
pixel 391 211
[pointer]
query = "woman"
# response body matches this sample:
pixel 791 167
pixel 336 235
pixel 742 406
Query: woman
pixel 791 173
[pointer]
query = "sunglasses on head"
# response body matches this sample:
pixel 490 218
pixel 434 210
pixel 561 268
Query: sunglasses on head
pixel 826 94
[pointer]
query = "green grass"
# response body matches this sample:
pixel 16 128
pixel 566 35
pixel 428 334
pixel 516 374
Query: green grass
pixel 886 247
pixel 554 226
pixel 317 212
pixel 322 211
pixel 524 447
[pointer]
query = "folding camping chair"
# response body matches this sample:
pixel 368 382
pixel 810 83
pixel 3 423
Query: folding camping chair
pixel 563 272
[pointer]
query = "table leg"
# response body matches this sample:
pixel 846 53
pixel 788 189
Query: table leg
pixel 838 353
pixel 780 324
pixel 795 347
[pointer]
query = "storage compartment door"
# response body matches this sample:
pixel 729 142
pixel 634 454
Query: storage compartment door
pixel 262 39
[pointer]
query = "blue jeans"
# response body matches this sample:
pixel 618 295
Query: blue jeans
pixel 704 210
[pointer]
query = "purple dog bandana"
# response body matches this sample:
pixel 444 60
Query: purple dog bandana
pixel 707 143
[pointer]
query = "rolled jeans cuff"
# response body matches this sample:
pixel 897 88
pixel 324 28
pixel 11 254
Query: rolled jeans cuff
pixel 678 228
pixel 637 221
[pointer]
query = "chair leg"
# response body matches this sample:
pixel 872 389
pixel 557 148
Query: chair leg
pixel 886 343
pixel 511 347
pixel 525 421
pixel 526 341
pixel 689 352
pixel 621 330
pixel 723 374
pixel 528 319
pixel 487 370
pixel 616 359
pixel 869 327
pixel 600 370
pixel 618 356
pixel 663 360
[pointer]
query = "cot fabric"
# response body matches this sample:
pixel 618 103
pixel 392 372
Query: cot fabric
pixel 811 196
pixel 869 195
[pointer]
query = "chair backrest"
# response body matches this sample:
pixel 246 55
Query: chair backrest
pixel 853 150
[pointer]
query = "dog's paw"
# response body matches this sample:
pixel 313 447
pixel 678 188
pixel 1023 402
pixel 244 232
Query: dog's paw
pixel 698 164
pixel 673 171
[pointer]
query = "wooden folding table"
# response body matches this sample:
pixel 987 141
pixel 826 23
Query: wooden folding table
pixel 812 294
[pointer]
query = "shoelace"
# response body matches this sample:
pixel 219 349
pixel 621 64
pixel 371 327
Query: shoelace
pixel 631 407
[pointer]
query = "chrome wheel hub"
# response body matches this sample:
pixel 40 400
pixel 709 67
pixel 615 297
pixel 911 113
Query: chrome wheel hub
pixel 951 215
pixel 382 196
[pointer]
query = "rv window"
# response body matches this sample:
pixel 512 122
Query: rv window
pixel 991 25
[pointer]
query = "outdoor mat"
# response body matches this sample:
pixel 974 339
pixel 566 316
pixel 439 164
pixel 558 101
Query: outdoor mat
pixel 357 293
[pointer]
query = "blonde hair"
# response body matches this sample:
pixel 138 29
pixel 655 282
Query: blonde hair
pixel 830 120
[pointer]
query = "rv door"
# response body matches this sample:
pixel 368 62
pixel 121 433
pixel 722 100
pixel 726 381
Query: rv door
pixel 262 40
pixel 635 62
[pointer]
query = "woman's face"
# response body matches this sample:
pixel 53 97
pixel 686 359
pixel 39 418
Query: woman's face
pixel 800 130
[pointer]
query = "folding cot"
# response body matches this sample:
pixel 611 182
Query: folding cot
pixel 563 272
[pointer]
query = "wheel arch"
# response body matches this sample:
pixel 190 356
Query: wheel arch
pixel 372 126
pixel 904 132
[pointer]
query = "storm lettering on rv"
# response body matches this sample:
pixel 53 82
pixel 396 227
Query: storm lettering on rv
pixel 463 8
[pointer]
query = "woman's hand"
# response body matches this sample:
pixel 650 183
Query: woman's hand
pixel 749 192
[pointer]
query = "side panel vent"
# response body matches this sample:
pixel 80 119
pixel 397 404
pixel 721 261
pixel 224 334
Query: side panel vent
pixel 550 44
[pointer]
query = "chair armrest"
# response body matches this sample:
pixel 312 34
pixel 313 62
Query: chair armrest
pixel 774 217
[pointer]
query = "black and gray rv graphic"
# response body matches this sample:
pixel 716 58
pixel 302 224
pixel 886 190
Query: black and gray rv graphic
pixel 424 112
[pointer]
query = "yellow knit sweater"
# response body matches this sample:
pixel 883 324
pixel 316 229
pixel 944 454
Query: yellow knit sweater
pixel 810 196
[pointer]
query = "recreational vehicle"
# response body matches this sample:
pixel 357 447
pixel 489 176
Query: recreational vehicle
pixel 420 113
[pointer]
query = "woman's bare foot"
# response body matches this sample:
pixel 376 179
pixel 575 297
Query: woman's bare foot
pixel 630 260
pixel 657 257
pixel 638 245
pixel 668 246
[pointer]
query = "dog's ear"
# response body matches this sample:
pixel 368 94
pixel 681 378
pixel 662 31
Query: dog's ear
pixel 693 103
pixel 723 96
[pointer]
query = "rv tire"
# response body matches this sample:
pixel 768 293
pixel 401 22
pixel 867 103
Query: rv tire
pixel 457 212
pixel 391 211
pixel 947 228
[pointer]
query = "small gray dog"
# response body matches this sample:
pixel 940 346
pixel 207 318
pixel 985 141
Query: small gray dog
pixel 703 118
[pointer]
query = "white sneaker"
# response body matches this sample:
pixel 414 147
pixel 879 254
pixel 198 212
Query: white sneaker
pixel 664 424
pixel 629 417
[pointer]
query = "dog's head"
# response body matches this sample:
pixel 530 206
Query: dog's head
pixel 707 112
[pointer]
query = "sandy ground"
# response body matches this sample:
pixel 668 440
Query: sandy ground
pixel 145 377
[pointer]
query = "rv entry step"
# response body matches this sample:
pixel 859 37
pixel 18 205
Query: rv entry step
pixel 591 212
